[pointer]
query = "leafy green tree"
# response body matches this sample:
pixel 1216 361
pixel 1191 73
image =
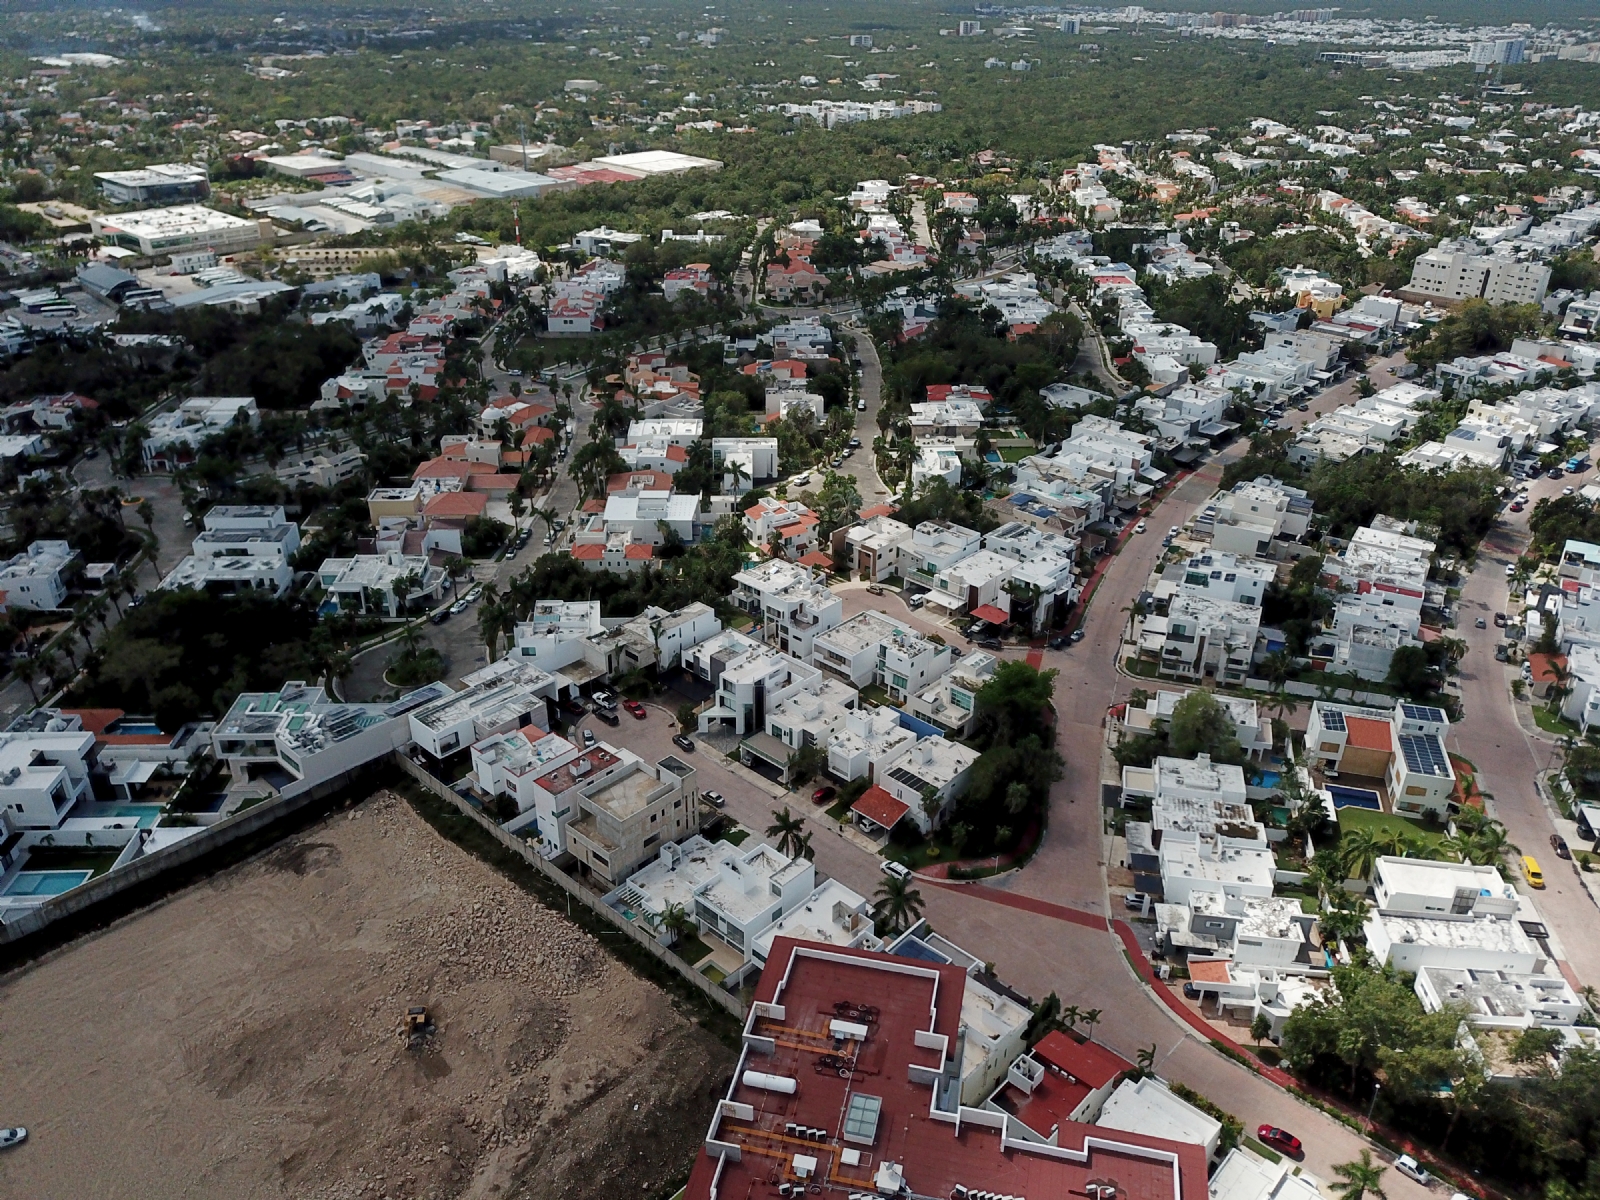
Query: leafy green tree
pixel 1200 725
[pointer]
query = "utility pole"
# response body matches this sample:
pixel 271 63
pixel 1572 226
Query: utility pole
pixel 522 128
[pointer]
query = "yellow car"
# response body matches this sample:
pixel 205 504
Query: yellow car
pixel 1531 872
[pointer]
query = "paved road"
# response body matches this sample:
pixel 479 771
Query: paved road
pixel 1508 758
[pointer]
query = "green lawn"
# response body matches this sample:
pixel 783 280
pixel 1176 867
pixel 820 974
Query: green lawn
pixel 1365 818
pixel 1014 454
pixel 72 858
pixel 1554 722
pixel 1266 1152
pixel 691 949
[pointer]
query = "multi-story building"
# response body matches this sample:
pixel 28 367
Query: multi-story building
pixel 1259 518
pixel 42 775
pixel 1460 271
pixel 925 778
pixel 510 764
pixel 298 737
pixel 175 437
pixel 791 603
pixel 873 648
pixel 1195 795
pixel 180 229
pixel 804 718
pixel 787 524
pixel 159 183
pixel 744 462
pixel 1253 730
pixel 243 548
pixel 37 577
pixel 1043 584
pixel 623 817
pixel 749 679
pixel 498 698
pixel 1500 999
pixel 865 740
pixel 876 546
pixel 373 582
pixel 955 1051
pixel 1199 637
pixel 1389 759
pixel 935 546
pixel 951 700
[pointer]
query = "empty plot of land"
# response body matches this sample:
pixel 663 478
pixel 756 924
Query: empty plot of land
pixel 243 1039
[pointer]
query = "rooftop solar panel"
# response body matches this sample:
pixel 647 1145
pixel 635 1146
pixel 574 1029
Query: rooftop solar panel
pixel 1422 712
pixel 1332 719
pixel 1424 754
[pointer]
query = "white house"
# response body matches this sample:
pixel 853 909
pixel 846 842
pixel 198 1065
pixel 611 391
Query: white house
pixel 37 577
pixel 42 775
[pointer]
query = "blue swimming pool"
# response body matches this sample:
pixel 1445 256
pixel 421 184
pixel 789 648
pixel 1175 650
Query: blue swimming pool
pixel 1349 797
pixel 146 813
pixel 1269 779
pixel 138 728
pixel 46 883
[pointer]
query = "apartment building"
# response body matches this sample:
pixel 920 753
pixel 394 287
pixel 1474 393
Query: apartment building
pixel 1459 270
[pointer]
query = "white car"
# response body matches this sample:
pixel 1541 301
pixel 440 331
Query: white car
pixel 1412 1169
pixel 898 870
pixel 1141 527
pixel 1511 569
pixel 14 1136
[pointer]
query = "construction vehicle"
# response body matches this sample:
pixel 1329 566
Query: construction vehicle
pixel 417 1026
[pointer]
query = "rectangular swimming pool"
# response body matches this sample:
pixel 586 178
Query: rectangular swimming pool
pixel 46 883
pixel 1349 797
pixel 146 813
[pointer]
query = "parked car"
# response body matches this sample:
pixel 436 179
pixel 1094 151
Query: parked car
pixel 874 589
pixel 855 443
pixel 898 870
pixel 460 606
pixel 1076 637
pixel 1412 1169
pixel 588 738
pixel 1511 569
pixel 1141 526
pixel 605 699
pixel 1059 642
pixel 14 1136
pixel 575 708
pixel 608 715
pixel 713 798
pixel 988 643
pixel 440 617
pixel 1191 992
pixel 1173 532
pixel 1499 620
pixel 1135 901
pixel 473 593
pixel 1559 845
pixel 1516 506
pixel 635 709
pixel 801 480
pixel 1501 655
pixel 1480 623
pixel 1531 871
pixel 1567 491
pixel 823 794
pixel 916 602
pixel 1279 1139
pixel 1555 472
pixel 682 742
pixel 1303 407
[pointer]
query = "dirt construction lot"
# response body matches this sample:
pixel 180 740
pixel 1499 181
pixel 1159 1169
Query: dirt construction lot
pixel 242 1040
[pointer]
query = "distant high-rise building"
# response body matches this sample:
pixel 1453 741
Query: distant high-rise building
pixel 968 29
pixel 1503 52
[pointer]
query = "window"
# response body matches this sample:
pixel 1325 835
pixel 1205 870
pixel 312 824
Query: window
pixel 677 804
pixel 1329 747
pixel 654 817
pixel 651 840
pixel 1414 790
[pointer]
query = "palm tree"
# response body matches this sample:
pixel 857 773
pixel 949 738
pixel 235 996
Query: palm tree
pixel 737 469
pixel 1358 851
pixel 1145 1060
pixel 27 670
pixel 678 923
pixel 1359 1178
pixel 898 905
pixel 790 832
pixel 1091 1018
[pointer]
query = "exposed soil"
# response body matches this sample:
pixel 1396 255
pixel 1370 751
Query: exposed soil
pixel 244 1040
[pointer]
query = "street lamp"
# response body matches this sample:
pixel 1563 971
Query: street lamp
pixel 1376 1088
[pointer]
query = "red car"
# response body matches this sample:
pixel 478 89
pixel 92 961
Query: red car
pixel 1280 1139
pixel 823 794
pixel 634 708
pixel 1516 507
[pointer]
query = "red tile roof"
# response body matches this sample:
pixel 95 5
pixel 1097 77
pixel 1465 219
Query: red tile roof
pixel 879 807
pixel 1209 972
pixel 988 612
pixel 878 510
pixel 638 550
pixel 816 558
pixel 1368 734
pixel 644 480
pixel 456 504
pixel 1087 1062
pixel 589 552
pixel 537 435
pixel 443 468
pixel 1541 665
